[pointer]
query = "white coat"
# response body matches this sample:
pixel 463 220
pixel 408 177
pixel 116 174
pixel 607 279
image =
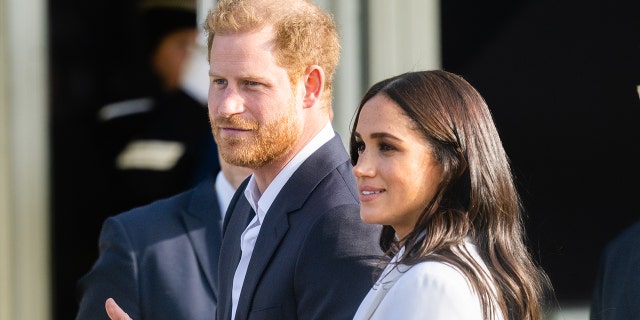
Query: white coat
pixel 428 290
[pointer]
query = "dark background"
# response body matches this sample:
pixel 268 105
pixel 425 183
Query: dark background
pixel 95 58
pixel 559 76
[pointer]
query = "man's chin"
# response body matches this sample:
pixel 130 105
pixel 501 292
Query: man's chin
pixel 239 157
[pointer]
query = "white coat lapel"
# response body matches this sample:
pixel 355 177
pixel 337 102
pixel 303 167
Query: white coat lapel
pixel 380 289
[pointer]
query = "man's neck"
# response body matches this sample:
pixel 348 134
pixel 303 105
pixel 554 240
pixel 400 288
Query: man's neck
pixel 267 173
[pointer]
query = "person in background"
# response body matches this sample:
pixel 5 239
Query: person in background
pixel 158 144
pixel 616 292
pixel 431 168
pixel 160 260
pixel 153 145
pixel 293 245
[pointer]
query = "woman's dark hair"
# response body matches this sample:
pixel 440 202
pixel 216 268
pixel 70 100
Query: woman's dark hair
pixel 476 198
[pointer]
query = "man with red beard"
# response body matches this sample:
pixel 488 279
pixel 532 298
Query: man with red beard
pixel 293 246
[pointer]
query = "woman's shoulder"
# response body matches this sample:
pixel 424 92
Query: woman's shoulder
pixel 437 275
pixel 440 273
pixel 435 290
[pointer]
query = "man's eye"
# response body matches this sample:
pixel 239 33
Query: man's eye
pixel 219 81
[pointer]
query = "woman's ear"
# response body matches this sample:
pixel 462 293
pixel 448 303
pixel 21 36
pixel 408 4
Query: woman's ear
pixel 313 85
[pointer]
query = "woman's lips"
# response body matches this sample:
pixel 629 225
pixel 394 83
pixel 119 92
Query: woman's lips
pixel 369 194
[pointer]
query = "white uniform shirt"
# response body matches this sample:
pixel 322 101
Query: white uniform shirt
pixel 224 191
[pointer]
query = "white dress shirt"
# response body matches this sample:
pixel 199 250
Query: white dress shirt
pixel 224 191
pixel 261 204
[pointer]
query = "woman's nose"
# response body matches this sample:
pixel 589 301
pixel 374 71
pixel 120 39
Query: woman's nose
pixel 363 168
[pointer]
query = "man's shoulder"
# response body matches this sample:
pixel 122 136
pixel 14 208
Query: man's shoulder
pixel 166 208
pixel 162 220
pixel 627 241
pixel 152 212
pixel 331 168
pixel 340 186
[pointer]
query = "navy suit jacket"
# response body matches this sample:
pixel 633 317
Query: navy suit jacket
pixel 314 257
pixel 158 261
pixel 616 294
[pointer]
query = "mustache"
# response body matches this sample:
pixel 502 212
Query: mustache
pixel 236 122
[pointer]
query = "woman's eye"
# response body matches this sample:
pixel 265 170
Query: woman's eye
pixel 359 146
pixel 386 147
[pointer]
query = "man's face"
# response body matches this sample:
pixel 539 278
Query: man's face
pixel 170 56
pixel 255 115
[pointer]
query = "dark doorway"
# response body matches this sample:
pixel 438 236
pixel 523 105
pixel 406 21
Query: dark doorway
pixel 560 78
pixel 94 59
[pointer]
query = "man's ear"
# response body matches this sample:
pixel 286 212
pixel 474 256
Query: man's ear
pixel 313 85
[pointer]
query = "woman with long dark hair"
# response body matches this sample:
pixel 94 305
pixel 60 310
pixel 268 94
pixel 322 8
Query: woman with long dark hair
pixel 431 168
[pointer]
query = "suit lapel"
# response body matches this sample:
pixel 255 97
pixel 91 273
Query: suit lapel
pixel 236 220
pixel 379 291
pixel 203 220
pixel 268 240
pixel 276 223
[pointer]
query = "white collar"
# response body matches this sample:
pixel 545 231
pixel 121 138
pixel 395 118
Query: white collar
pixel 262 202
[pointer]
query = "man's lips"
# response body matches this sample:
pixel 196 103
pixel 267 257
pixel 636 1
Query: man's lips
pixel 232 131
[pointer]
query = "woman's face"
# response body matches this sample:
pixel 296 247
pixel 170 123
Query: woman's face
pixel 396 172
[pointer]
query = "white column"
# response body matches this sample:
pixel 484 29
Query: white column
pixel 24 157
pixel 404 35
pixel 348 80
pixel 6 267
